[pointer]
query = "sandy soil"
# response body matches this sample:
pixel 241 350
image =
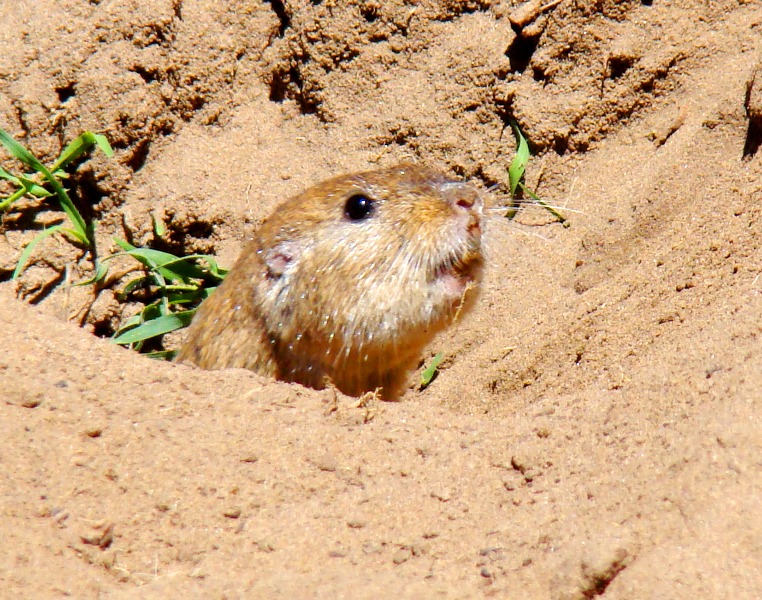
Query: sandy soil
pixel 595 429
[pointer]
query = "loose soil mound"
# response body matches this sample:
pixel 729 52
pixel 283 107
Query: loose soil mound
pixel 595 429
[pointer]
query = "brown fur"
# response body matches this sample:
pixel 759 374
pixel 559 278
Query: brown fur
pixel 316 296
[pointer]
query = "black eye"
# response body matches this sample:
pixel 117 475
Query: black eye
pixel 358 207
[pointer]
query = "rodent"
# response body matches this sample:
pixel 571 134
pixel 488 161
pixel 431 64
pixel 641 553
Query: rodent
pixel 347 282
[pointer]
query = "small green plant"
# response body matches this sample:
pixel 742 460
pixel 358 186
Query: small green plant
pixel 430 373
pixel 516 175
pixel 36 185
pixel 171 285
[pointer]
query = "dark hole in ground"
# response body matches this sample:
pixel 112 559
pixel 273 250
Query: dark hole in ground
pixel 200 230
pixel 561 145
pixel 146 75
pixel 618 65
pixel 369 13
pixel 181 239
pixel 290 85
pixel 753 139
pixel 520 52
pixel 139 155
pixel 103 329
pixel 66 92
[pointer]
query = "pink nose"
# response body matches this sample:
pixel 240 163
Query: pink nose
pixel 469 200
pixel 463 197
pixel 468 205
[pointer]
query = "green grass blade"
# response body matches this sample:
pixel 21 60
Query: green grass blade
pixel 28 187
pixel 27 252
pixel 72 152
pixel 169 265
pixel 520 160
pixel 167 355
pixel 10 177
pixel 190 296
pixel 152 311
pixel 431 371
pixel 103 144
pixel 11 199
pixel 81 231
pixel 133 285
pixel 215 270
pixel 155 327
pixel 100 274
pixel 80 146
pixel 131 323
pixel 562 219
pixel 33 188
pixel 158 227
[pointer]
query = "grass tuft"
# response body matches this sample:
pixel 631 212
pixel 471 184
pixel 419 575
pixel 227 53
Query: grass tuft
pixel 35 185
pixel 171 284
pixel 516 172
pixel 171 287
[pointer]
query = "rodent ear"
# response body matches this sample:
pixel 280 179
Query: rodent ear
pixel 280 257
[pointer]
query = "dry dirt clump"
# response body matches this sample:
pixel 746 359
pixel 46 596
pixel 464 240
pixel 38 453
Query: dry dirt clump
pixel 595 427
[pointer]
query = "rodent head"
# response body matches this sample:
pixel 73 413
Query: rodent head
pixel 362 270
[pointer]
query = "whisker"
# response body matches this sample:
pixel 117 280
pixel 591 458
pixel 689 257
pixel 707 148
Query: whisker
pixel 502 227
pixel 533 204
pixel 533 234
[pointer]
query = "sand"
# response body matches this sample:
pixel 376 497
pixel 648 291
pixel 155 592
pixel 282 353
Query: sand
pixel 595 428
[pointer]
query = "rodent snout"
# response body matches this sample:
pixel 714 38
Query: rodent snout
pixel 463 197
pixel 468 206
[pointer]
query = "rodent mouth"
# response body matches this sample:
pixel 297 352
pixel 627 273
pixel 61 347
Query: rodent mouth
pixel 459 274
